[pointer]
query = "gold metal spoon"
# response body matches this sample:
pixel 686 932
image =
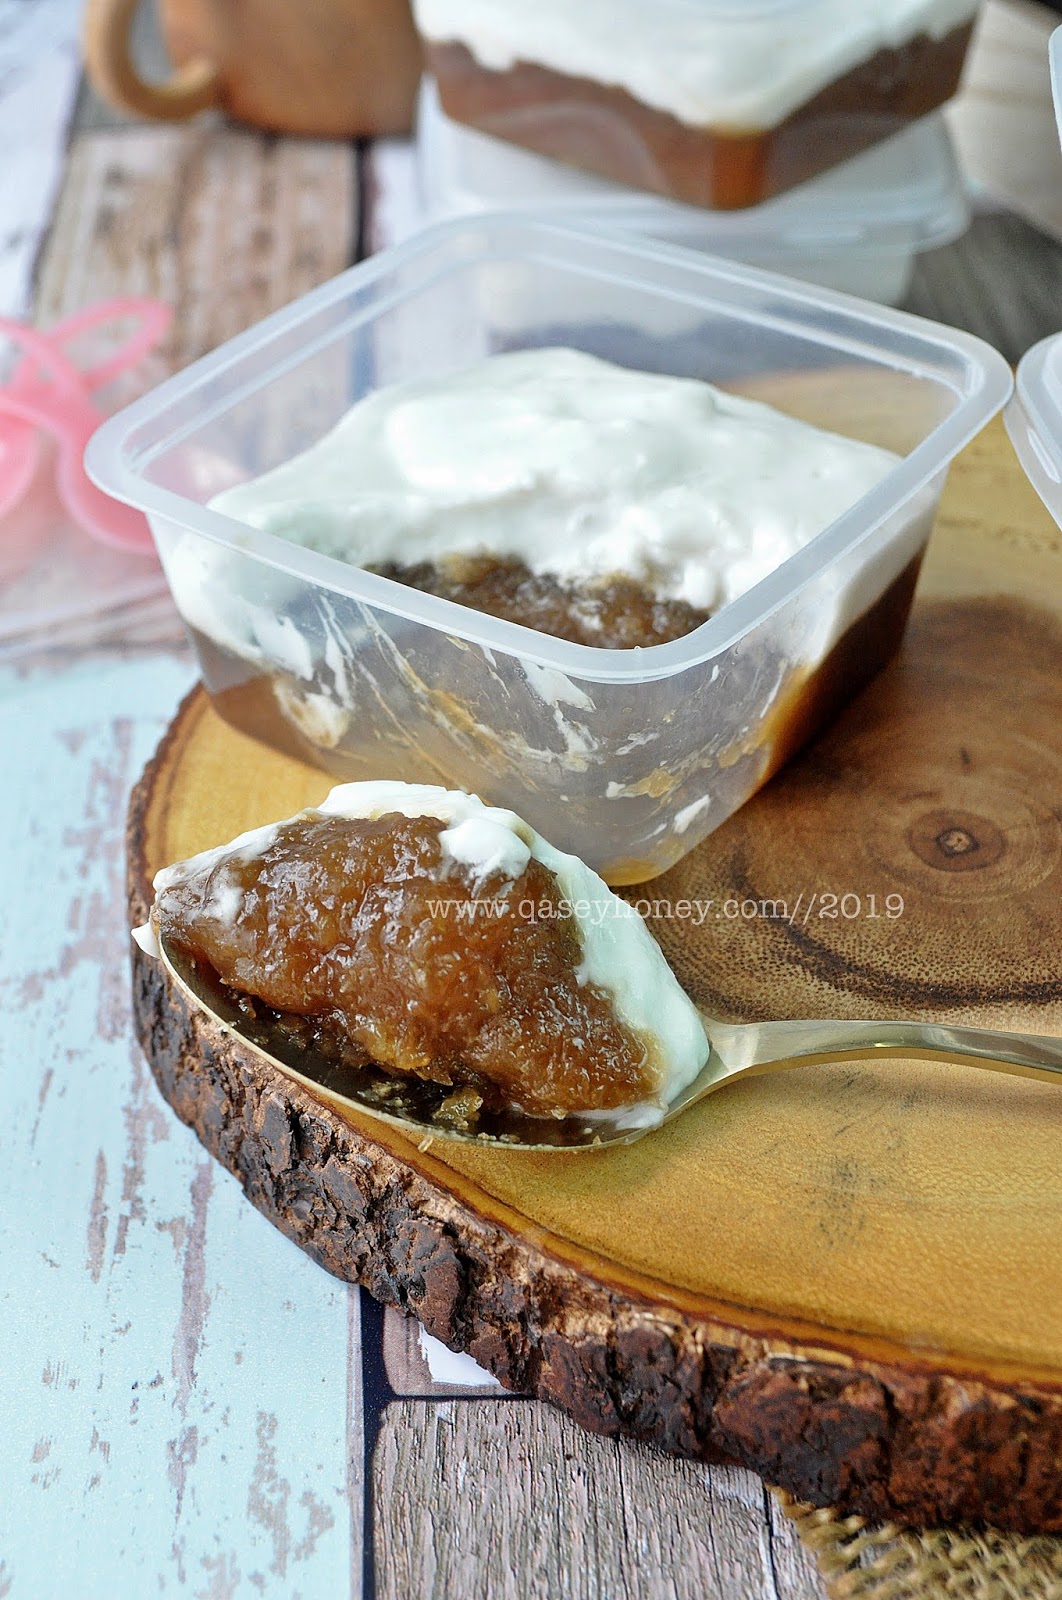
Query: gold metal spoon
pixel 426 1111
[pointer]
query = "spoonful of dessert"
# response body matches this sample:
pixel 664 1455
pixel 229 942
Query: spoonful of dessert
pixel 410 953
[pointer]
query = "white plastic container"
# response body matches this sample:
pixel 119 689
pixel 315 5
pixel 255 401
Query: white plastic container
pixel 858 228
pixel 629 757
pixel 1034 416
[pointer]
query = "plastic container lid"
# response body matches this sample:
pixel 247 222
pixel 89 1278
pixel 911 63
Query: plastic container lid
pixel 906 194
pixel 1034 416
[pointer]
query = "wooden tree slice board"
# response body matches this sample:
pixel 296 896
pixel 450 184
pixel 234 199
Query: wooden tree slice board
pixel 848 1278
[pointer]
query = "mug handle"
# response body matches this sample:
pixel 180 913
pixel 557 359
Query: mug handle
pixel 113 73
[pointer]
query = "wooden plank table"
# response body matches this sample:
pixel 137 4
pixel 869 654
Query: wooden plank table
pixel 187 1404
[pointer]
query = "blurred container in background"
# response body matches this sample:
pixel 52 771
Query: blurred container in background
pixel 710 102
pixel 858 228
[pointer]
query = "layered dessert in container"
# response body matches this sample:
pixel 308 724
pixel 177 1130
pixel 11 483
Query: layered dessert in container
pixel 859 227
pixel 554 415
pixel 719 103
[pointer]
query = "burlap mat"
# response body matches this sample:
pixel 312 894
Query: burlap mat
pixel 861 1562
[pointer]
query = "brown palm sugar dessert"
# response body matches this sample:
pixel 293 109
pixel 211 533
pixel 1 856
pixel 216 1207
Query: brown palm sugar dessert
pixel 713 106
pixel 446 947
pixel 616 613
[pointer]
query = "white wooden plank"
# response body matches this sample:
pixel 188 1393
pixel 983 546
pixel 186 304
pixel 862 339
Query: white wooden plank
pixel 174 1403
pixel 39 72
pixel 394 210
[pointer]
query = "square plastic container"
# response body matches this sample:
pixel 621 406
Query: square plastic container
pixel 720 103
pixel 1034 416
pixel 857 228
pixel 628 757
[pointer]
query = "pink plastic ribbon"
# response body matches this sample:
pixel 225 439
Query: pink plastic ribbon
pixel 47 390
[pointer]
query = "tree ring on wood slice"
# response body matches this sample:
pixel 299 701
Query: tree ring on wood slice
pixel 910 862
pixel 846 1278
pixel 956 841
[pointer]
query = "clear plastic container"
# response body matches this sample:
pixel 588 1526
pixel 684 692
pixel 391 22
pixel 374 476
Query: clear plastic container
pixel 629 757
pixel 858 228
pixel 1034 420
pixel 719 103
pixel 1034 416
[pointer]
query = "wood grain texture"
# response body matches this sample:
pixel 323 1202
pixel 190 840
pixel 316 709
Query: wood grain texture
pixel 222 224
pixel 153 1441
pixel 876 1324
pixel 961 284
pixel 617 1521
pixel 181 1406
pixel 202 220
pixel 833 1425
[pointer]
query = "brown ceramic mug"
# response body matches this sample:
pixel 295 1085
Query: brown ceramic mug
pixel 332 68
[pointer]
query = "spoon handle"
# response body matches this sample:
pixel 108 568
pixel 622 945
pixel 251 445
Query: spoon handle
pixel 749 1049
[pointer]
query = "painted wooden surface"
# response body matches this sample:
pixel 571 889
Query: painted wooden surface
pixel 175 1383
pixel 38 85
pixel 183 1397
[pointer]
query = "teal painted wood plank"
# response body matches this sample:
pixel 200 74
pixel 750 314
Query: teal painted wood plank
pixel 174 1374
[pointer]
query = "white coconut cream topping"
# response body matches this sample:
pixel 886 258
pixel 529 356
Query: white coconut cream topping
pixel 225 901
pixel 729 64
pixel 574 466
pixel 619 954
